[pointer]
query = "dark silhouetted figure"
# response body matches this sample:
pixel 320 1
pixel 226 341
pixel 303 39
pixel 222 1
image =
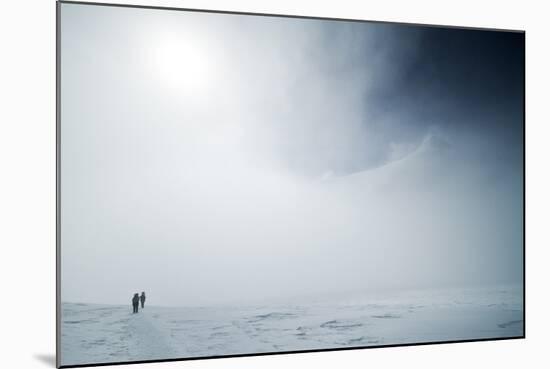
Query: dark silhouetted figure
pixel 142 299
pixel 135 302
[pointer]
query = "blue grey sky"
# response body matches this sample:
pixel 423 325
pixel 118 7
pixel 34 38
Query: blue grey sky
pixel 215 158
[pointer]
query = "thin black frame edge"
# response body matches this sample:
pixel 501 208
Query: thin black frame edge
pixel 524 176
pixel 297 352
pixel 58 184
pixel 229 12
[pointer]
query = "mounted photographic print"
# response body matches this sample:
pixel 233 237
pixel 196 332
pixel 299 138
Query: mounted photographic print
pixel 236 184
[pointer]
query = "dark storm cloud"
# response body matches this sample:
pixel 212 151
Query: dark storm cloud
pixel 408 79
pixel 463 81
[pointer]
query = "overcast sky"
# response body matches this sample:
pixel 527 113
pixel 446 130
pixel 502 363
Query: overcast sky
pixel 209 158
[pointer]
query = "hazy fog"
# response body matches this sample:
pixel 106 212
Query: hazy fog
pixel 214 158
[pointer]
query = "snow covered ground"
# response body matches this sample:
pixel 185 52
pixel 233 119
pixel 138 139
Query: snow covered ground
pixel 106 333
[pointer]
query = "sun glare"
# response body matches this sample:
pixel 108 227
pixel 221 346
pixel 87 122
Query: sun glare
pixel 183 65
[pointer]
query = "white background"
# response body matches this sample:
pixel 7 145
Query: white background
pixel 27 183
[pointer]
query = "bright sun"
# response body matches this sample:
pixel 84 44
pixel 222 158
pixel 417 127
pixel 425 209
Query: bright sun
pixel 182 64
